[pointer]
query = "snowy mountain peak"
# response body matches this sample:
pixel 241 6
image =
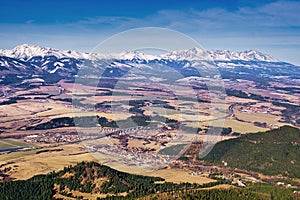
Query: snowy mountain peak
pixel 222 55
pixel 27 51
pixel 133 55
pixel 189 54
pixel 27 46
pixel 248 55
pixel 256 55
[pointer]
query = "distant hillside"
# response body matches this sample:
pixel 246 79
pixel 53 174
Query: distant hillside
pixel 272 153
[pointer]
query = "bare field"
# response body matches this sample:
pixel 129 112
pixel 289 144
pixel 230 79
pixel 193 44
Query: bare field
pixel 140 143
pixel 29 163
pixel 22 108
pixel 242 127
pixel 49 89
pixel 179 176
pixel 112 116
pixel 259 117
pixel 185 114
pixel 237 126
pixel 28 113
pixel 219 187
pixel 55 109
pixel 231 99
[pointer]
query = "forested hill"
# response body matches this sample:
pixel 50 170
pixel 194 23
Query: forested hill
pixel 90 180
pixel 93 179
pixel 272 153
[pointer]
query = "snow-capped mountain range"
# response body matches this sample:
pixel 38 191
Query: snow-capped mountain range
pixel 25 62
pixel 25 52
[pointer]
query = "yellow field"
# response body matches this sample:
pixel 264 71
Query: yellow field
pixel 231 99
pixel 179 176
pixel 19 111
pixel 49 89
pixel 112 116
pixel 29 163
pixel 259 117
pixel 220 187
pixel 242 127
pixel 237 126
pixel 185 114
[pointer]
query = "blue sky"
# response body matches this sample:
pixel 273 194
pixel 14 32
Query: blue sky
pixel 269 26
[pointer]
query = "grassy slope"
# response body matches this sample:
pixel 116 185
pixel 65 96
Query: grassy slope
pixel 7 144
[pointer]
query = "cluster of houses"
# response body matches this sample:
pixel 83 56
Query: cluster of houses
pixel 132 156
pixel 49 138
pixel 252 109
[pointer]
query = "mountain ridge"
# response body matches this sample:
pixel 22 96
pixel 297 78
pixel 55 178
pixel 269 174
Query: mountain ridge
pixel 26 51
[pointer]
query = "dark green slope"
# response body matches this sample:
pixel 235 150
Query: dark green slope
pixel 272 153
